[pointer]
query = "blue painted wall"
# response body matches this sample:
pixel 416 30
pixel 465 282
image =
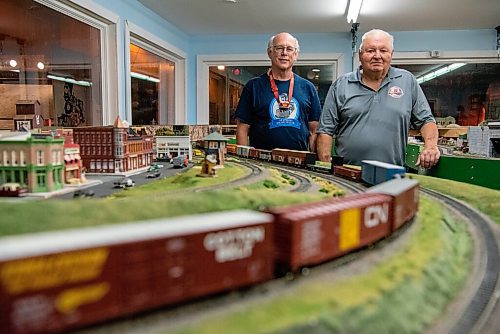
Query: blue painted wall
pixel 135 12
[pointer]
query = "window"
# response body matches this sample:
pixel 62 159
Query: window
pixel 466 90
pixel 53 59
pixel 158 70
pixel 226 84
pixel 152 87
pixel 39 158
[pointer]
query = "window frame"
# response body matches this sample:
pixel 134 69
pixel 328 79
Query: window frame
pixel 106 22
pixel 152 43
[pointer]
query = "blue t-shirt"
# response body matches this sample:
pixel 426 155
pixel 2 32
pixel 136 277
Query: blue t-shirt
pixel 271 127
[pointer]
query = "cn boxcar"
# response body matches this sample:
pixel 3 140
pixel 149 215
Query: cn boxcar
pixel 293 157
pixel 52 282
pixel 375 172
pixel 322 231
pixel 405 193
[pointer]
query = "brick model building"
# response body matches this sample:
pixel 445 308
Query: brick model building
pixel 113 149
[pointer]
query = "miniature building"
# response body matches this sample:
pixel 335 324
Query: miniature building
pixel 28 115
pixel 445 121
pixel 33 161
pixel 482 139
pixel 72 158
pixel 207 167
pixel 171 146
pixel 113 149
pixel 215 144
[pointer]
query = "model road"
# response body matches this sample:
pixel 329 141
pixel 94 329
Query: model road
pixel 105 185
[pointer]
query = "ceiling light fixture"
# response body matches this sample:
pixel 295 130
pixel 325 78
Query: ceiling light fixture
pixel 353 10
pixel 439 72
pixel 316 70
pixel 144 77
pixel 70 80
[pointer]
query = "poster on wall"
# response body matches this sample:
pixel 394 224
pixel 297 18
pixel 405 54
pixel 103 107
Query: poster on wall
pixel 71 104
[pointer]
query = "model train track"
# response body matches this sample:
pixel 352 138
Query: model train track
pixel 350 186
pixel 255 172
pixel 479 305
pixel 304 184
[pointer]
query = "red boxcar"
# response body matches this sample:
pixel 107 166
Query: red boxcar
pixel 405 193
pixel 253 153
pixel 52 282
pixel 347 172
pixel 321 231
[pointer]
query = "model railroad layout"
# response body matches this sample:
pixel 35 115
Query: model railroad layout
pixel 57 281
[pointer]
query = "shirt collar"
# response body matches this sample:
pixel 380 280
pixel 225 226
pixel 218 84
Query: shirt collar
pixel 355 76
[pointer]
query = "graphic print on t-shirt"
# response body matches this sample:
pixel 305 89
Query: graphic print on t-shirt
pixel 284 114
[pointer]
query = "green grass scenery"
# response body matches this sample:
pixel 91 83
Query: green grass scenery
pixel 404 294
pixel 484 199
pixel 159 199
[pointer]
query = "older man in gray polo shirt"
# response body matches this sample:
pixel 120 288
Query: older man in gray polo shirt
pixel 370 110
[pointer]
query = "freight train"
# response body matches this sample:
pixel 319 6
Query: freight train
pixel 370 172
pixel 57 281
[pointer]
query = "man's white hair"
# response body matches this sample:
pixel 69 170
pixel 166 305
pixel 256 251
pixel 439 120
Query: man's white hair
pixel 377 31
pixel 270 44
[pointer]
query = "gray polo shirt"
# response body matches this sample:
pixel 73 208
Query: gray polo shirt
pixel 374 125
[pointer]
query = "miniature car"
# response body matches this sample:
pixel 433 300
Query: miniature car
pixel 124 183
pixel 156 165
pixel 197 152
pixel 83 193
pixel 180 162
pixel 12 189
pixel 153 174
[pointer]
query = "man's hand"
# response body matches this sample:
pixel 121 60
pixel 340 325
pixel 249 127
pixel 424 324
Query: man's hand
pixel 429 157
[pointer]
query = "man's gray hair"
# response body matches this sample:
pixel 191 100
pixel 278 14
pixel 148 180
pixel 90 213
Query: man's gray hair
pixel 270 44
pixel 376 31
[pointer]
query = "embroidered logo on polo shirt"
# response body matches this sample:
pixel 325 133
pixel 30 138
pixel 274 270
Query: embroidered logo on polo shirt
pixel 395 92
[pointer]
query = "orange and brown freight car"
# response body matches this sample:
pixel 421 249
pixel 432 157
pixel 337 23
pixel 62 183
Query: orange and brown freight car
pixel 347 172
pixel 52 282
pixel 231 148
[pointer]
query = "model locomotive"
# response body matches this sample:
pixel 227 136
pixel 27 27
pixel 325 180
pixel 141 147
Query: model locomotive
pixel 57 281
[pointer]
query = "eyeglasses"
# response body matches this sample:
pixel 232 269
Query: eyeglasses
pixel 372 52
pixel 280 48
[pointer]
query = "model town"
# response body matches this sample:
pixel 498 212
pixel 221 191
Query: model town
pixel 40 159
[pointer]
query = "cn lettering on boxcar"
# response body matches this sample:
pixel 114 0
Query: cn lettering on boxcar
pixel 378 214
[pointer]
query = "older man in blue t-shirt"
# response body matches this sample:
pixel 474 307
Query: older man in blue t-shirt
pixel 279 109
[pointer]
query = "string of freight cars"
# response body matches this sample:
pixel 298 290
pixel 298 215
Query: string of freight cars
pixel 63 280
